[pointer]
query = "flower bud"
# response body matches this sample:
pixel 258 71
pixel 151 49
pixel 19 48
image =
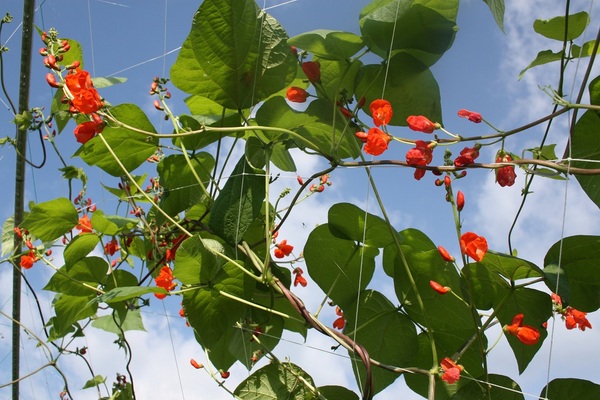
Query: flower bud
pixel 460 200
pixel 51 79
pixel 158 106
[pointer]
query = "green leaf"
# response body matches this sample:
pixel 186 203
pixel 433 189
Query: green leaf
pixel 195 262
pixel 181 189
pixel 337 393
pixel 327 44
pixel 554 28
pixel 501 388
pixel 281 157
pixel 377 314
pixel 584 51
pixel 586 146
pixel 75 53
pixel 50 220
pixel 340 267
pixel 571 389
pixel 276 381
pixel 239 202
pixel 71 172
pixel 213 315
pixel 578 258
pixel 133 322
pixel 314 126
pixel 89 270
pixel 80 247
pixel 199 140
pixel 127 292
pixel 112 224
pixel 130 147
pixel 70 309
pixel 347 221
pixel 486 285
pixel 497 9
pixel 207 112
pixel 423 28
pixel 594 88
pixel 547 152
pixel 95 381
pixel 536 307
pixel 8 236
pixel 104 82
pixel 543 57
pixel 511 268
pixel 339 77
pixel 411 90
pixel 234 55
pixel 60 111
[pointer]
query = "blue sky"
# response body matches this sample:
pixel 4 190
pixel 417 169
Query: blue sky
pixel 479 73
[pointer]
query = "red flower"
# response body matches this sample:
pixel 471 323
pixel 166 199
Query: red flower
pixel 85 226
pixel 467 156
pixel 473 245
pixel 195 364
pixel 340 322
pixel 381 110
pixel 471 115
pixel 225 374
pixel 460 200
pixel 283 249
pixel 451 370
pixel 296 94
pixel 575 318
pixel 505 176
pixel 87 130
pixel 439 288
pixel 299 279
pixel 421 154
pixel 526 334
pixel 421 124
pixel 28 260
pixel 165 281
pixel 445 255
pixel 377 141
pixel 111 247
pixel 312 70
pixel 85 98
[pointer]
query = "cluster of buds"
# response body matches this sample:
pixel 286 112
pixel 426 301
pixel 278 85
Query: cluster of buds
pixel 155 188
pixel 84 204
pixel 323 181
pixel 31 256
pixel 157 87
pixel 573 318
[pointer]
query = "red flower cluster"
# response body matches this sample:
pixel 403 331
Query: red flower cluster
pixel 526 334
pixel 299 279
pixel 505 176
pixel 28 259
pixel 111 247
pixel 165 281
pixel 340 322
pixel 282 249
pixel 296 94
pixel 376 141
pixel 381 111
pixel 451 370
pixel 422 124
pixel 473 245
pixel 85 225
pixel 467 156
pixel 573 318
pixel 85 98
pixel 421 155
pixel 471 115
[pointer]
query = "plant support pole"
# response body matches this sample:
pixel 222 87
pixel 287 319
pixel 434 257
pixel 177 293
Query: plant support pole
pixel 24 78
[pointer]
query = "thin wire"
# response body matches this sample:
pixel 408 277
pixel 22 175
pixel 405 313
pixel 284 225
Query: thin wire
pixel 278 5
pixel 174 352
pixel 145 61
pixel 504 387
pixel 387 67
pixel 91 38
pixel 564 218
